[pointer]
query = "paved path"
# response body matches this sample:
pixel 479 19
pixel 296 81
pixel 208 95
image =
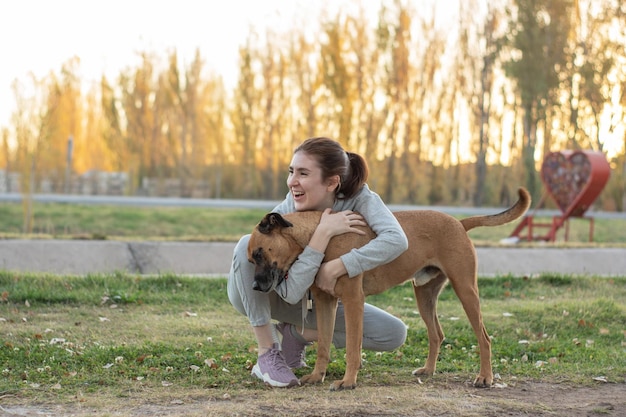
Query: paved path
pixel 76 257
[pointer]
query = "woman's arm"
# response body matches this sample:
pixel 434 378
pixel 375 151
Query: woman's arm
pixel 390 241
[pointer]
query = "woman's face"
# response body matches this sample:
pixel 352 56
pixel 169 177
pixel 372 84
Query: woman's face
pixel 309 190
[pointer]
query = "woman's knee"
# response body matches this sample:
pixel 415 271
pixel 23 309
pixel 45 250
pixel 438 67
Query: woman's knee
pixel 397 333
pixel 241 249
pixel 239 275
pixel 382 331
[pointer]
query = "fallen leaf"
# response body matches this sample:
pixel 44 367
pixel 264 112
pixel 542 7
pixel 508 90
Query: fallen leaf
pixel 600 379
pixel 166 383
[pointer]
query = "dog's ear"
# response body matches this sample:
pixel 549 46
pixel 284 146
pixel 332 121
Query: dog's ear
pixel 271 221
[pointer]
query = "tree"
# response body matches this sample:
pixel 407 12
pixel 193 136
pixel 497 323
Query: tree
pixel 143 117
pixel 6 151
pixel 244 117
pixel 538 42
pixel 479 47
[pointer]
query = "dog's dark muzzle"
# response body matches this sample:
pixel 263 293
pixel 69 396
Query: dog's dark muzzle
pixel 267 279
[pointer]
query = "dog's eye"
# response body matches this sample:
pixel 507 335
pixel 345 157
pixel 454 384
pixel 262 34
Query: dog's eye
pixel 257 255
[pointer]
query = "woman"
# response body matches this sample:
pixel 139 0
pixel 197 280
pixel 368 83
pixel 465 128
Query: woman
pixel 324 177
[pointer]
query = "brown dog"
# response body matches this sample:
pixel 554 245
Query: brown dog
pixel 439 250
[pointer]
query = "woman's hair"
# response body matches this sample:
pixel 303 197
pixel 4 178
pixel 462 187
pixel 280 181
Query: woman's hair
pixel 334 160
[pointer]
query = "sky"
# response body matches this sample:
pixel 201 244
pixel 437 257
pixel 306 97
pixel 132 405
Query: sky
pixel 39 36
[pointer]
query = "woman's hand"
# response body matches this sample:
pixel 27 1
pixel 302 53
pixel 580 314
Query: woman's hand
pixel 341 222
pixel 333 224
pixel 327 276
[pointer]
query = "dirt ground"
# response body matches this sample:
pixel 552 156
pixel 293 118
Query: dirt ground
pixel 432 398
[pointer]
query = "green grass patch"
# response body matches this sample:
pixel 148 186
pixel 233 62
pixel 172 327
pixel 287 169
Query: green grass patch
pixel 217 224
pixel 125 222
pixel 67 336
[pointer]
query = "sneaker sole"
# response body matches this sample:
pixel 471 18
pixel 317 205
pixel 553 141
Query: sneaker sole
pixel 256 371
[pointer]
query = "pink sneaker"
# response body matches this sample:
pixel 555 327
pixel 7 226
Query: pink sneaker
pixel 272 369
pixel 293 349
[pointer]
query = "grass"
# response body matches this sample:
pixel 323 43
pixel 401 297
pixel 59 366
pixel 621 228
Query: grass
pixel 52 220
pixel 124 344
pixel 122 222
pixel 67 338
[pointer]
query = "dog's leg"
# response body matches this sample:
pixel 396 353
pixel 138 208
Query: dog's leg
pixel 326 312
pixel 467 291
pixel 353 299
pixel 426 297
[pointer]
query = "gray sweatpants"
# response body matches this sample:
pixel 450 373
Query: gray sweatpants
pixel 381 330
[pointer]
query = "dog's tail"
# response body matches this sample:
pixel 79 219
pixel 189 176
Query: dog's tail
pixel 515 212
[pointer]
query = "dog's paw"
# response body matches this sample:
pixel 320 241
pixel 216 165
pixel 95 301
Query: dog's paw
pixel 423 371
pixel 483 382
pixel 342 385
pixel 314 378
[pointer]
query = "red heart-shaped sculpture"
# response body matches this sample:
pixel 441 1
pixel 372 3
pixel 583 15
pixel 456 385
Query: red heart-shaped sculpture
pixel 575 179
